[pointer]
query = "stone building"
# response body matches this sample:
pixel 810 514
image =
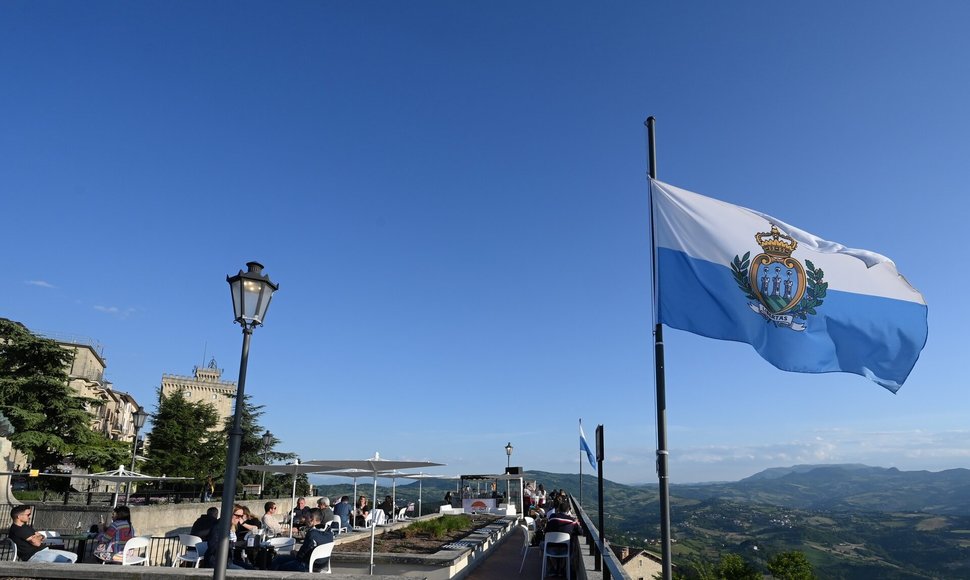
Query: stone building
pixel 113 416
pixel 639 564
pixel 205 385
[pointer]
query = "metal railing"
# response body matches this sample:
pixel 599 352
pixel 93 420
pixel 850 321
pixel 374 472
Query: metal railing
pixel 162 551
pixel 108 498
pixel 607 560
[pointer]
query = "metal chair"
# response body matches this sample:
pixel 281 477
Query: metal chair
pixel 319 553
pixel 52 555
pixel 191 553
pixel 557 545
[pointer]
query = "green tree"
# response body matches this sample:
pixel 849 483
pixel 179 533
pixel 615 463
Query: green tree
pixel 791 566
pixel 183 441
pixel 251 449
pixel 692 569
pixel 52 422
pixel 734 567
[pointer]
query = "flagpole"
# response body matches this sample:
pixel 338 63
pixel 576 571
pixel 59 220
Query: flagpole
pixel 662 453
pixel 580 466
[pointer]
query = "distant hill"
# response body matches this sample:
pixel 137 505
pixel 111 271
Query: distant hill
pixel 846 488
pixel 852 521
pixel 776 472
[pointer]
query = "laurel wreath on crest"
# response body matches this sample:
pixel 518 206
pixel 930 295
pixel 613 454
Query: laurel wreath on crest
pixel 740 267
pixel 814 293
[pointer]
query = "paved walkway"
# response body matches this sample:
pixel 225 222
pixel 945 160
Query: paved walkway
pixel 504 562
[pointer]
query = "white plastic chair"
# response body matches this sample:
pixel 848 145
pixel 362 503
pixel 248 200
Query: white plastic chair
pixel 191 556
pixel 10 549
pixel 320 552
pixel 337 525
pixel 54 556
pixel 368 520
pixel 131 554
pixel 281 545
pixel 402 514
pixel 557 539
pixel 378 518
pixel 526 544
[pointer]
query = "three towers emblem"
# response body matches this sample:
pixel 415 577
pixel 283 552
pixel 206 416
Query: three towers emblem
pixel 782 291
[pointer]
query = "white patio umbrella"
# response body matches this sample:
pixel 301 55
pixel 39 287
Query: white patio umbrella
pixel 352 473
pixel 293 469
pixel 421 477
pixel 118 476
pixel 375 466
pixel 393 476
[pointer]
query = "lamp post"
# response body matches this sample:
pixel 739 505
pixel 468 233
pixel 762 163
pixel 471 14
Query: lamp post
pixel 137 421
pixel 508 464
pixel 251 294
pixel 267 441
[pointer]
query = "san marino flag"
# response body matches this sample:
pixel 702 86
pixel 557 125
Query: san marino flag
pixel 805 304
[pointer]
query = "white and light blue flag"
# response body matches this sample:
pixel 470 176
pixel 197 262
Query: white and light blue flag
pixel 805 304
pixel 584 446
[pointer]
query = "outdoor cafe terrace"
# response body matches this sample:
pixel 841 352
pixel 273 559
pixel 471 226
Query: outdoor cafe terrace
pixel 495 551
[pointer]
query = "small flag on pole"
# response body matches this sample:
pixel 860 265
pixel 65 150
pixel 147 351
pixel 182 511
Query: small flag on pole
pixel 805 304
pixel 584 446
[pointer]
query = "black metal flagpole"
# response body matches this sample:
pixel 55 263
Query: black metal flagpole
pixel 658 346
pixel 580 466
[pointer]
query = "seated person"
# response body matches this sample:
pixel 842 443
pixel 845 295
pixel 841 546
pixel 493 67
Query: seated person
pixel 361 511
pixel 388 506
pixel 300 513
pixel 326 514
pixel 250 524
pixel 317 533
pixel 344 510
pixel 271 524
pixel 24 536
pixel 561 521
pixel 205 523
pixel 111 541
pixel 215 537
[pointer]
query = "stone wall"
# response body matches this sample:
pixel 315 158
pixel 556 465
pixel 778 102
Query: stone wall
pixel 155 520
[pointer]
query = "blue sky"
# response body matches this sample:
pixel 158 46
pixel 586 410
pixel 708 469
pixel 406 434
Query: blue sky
pixel 452 197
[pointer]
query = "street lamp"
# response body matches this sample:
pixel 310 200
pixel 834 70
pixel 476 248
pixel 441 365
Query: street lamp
pixel 508 465
pixel 267 441
pixel 251 294
pixel 137 421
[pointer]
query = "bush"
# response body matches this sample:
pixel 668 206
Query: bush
pixel 437 527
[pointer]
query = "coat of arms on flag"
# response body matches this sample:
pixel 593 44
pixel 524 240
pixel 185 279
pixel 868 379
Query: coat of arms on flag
pixel 783 291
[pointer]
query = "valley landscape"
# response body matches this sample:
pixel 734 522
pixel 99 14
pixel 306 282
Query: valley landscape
pixel 851 521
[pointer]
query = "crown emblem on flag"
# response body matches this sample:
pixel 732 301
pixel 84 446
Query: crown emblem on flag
pixel 781 290
pixel 775 243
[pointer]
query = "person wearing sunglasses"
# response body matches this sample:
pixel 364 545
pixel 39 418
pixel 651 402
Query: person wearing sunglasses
pixel 271 520
pixel 237 516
